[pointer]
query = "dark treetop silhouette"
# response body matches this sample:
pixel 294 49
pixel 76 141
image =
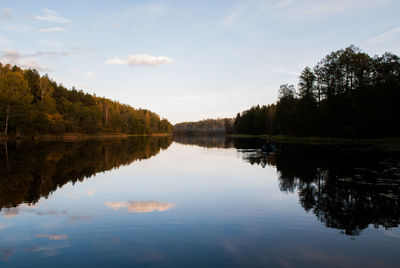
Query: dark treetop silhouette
pixel 347 94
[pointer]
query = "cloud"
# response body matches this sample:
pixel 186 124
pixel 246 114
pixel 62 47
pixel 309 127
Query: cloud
pixel 49 54
pixel 116 61
pixel 5 13
pixel 383 37
pixel 90 74
pixel 26 62
pixel 54 29
pixel 53 237
pixel 140 59
pixel 51 16
pixel 140 206
pixel 33 64
pixel 11 55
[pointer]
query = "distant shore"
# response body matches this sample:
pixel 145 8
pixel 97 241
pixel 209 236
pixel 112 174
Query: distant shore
pixel 76 136
pixel 318 140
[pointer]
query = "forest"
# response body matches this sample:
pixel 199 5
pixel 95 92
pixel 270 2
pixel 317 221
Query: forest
pixel 347 94
pixel 32 104
pixel 203 127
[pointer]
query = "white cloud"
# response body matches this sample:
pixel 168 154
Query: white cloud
pixel 5 13
pixel 383 37
pixel 54 29
pixel 116 61
pixel 51 16
pixel 90 74
pixel 140 59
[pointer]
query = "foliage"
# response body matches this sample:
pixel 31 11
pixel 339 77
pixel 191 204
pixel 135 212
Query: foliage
pixel 347 94
pixel 203 127
pixel 32 104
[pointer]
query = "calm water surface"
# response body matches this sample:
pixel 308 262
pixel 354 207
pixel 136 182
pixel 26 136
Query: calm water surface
pixel 198 202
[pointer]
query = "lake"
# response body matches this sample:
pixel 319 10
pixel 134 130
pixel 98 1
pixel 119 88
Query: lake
pixel 198 202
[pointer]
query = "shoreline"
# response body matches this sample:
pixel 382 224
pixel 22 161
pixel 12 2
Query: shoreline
pixel 318 140
pixel 70 137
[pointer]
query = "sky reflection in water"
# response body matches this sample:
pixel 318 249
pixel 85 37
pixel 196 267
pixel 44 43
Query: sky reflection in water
pixel 198 202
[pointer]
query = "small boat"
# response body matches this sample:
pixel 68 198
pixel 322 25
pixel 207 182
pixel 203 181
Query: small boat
pixel 268 148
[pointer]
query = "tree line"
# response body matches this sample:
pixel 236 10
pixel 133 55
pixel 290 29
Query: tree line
pixel 347 94
pixel 203 127
pixel 35 104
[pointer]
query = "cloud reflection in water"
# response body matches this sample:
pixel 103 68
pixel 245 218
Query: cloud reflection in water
pixel 140 206
pixel 53 237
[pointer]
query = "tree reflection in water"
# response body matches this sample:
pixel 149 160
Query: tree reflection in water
pixel 346 187
pixel 30 171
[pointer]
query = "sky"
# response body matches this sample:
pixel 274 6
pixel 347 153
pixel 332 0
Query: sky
pixel 189 60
